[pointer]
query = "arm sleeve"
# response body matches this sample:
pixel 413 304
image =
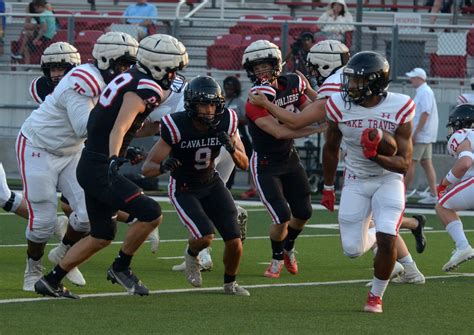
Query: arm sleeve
pixel 78 109
pixel 254 112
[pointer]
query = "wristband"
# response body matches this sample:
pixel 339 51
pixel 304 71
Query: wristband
pixel 466 154
pixel 451 178
pixel 329 188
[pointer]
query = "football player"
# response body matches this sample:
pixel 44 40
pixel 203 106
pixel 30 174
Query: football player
pixel 373 184
pixel 456 190
pixel 279 176
pixel 467 98
pixel 49 146
pixel 118 117
pixel 192 141
pixel 173 101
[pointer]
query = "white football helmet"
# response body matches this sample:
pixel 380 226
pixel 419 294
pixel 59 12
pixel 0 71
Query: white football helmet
pixel 114 47
pixel 160 56
pixel 325 58
pixel 262 51
pixel 59 55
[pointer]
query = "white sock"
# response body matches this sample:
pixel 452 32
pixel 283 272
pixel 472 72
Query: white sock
pixel 405 260
pixel 378 287
pixel 411 267
pixel 456 231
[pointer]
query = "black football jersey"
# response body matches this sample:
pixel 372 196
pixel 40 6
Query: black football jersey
pixel 40 88
pixel 289 95
pixel 103 115
pixel 196 150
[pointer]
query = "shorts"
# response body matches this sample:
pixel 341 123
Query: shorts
pixel 422 151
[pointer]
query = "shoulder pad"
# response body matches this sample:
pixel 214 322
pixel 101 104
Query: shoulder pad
pixel 333 112
pixel 405 108
pixel 147 88
pixel 171 127
pixel 40 89
pixel 85 82
pixel 233 122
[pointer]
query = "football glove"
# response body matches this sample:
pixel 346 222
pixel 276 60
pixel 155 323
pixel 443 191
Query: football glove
pixel 114 166
pixel 226 141
pixel 135 155
pixel 329 198
pixel 441 190
pixel 369 147
pixel 169 165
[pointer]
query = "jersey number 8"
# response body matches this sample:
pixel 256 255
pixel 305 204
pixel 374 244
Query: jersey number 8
pixel 113 88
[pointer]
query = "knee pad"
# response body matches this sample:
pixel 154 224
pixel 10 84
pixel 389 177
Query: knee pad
pixel 149 210
pixel 352 251
pixel 303 212
pixel 78 225
pixel 12 203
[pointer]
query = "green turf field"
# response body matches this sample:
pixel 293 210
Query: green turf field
pixel 327 295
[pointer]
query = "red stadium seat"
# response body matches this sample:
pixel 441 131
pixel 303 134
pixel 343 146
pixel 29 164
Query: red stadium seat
pixel 85 41
pixel 223 54
pixel 272 28
pixel 86 23
pixel 296 29
pixel 244 27
pixel 277 40
pixel 448 66
pixel 60 36
pixel 105 21
pixel 470 42
pixel 63 20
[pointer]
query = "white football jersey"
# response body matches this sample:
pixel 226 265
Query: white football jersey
pixel 173 103
pixel 466 98
pixel 331 85
pixel 457 138
pixel 59 124
pixel 394 110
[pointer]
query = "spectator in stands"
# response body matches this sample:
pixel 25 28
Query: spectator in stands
pixel 37 30
pixel 142 8
pixel 425 126
pixel 340 18
pixel 299 51
pixel 2 26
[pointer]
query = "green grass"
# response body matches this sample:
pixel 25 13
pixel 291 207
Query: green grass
pixel 440 306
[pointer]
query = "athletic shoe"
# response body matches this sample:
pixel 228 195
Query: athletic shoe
pixel 179 267
pixel 418 232
pixel 205 260
pixel 411 275
pixel 242 217
pixel 373 304
pixel 250 193
pixel 235 289
pixel 458 257
pixel 289 259
pixel 33 272
pixel 398 270
pixel 154 239
pixel 61 226
pixel 42 286
pixel 274 269
pixel 192 270
pixel 410 194
pixel 430 199
pixel 56 254
pixel 128 280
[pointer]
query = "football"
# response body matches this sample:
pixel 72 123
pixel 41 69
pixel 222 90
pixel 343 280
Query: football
pixel 388 144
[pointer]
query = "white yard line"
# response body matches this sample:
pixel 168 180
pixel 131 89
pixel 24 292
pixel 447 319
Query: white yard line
pixel 207 289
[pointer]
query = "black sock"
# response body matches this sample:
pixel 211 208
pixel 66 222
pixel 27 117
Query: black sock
pixel 277 249
pixel 34 258
pixel 67 241
pixel 228 278
pixel 122 261
pixel 291 237
pixel 56 275
pixel 191 253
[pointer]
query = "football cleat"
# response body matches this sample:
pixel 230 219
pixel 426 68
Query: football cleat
pixel 192 271
pixel 373 304
pixel 458 257
pixel 418 232
pixel 154 239
pixel 128 280
pixel 56 254
pixel 289 259
pixel 205 260
pixel 42 286
pixel 33 272
pixel 274 269
pixel 234 289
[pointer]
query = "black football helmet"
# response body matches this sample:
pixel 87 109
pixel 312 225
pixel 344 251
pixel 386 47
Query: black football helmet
pixel 461 117
pixel 366 74
pixel 204 90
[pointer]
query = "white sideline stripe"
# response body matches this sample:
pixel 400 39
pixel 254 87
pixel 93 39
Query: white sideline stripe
pixel 248 238
pixel 207 289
